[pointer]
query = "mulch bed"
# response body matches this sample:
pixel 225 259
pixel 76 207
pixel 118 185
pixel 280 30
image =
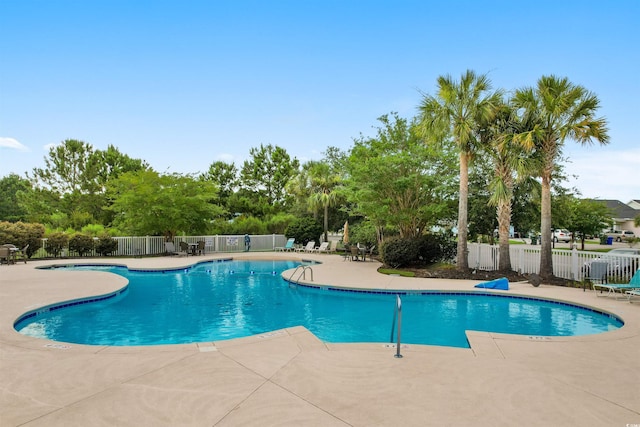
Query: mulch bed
pixel 449 272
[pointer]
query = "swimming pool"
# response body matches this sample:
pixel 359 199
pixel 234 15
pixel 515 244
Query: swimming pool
pixel 214 301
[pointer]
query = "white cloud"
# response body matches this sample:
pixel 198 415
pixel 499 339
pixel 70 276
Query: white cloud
pixel 606 174
pixel 12 143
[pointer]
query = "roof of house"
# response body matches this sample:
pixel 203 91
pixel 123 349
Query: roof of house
pixel 620 210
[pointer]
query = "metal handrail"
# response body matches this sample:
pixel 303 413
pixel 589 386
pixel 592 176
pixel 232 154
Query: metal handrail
pixel 303 273
pixel 397 313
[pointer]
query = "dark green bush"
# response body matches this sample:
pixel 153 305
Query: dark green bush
pixel 436 248
pixel 106 245
pixel 423 250
pixel 56 242
pixel 22 234
pixel 304 230
pixel 400 252
pixel 81 244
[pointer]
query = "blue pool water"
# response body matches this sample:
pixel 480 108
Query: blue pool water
pixel 223 300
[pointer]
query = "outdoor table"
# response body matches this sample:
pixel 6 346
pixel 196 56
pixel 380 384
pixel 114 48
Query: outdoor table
pixel 13 251
pixel 193 247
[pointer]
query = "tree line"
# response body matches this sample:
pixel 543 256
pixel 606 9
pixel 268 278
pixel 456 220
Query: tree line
pixel 472 160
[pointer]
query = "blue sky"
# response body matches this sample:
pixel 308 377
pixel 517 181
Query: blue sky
pixel 182 84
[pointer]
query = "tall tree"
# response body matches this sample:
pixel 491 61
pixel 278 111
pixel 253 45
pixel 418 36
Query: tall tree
pixel 111 163
pixel 10 188
pixel 456 110
pixel 395 180
pixel 267 173
pixel 147 203
pixel 225 176
pixel 511 162
pixel 560 110
pixel 67 168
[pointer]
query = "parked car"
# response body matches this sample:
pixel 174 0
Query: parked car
pixel 626 235
pixel 621 235
pixel 561 235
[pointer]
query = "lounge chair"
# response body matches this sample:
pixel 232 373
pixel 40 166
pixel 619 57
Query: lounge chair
pixel 308 248
pixel 633 285
pixel 633 293
pixel 288 247
pixel 324 248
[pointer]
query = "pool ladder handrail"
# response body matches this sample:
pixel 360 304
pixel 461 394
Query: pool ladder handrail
pixel 303 273
pixel 397 313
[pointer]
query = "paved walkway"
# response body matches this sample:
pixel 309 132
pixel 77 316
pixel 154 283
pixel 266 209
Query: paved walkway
pixel 291 378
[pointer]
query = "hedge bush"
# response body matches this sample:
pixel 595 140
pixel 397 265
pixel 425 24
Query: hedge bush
pixel 106 245
pixel 423 250
pixel 56 242
pixel 397 252
pixel 22 234
pixel 81 244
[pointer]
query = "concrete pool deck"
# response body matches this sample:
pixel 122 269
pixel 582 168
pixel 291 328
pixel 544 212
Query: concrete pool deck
pixel 289 377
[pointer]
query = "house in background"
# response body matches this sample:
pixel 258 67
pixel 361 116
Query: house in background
pixel 623 216
pixel 635 204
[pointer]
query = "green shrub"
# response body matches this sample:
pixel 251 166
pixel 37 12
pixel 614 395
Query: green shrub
pixel 400 252
pixel 427 249
pixel 436 248
pixel 106 245
pixel 56 242
pixel 304 230
pixel 22 234
pixel 81 244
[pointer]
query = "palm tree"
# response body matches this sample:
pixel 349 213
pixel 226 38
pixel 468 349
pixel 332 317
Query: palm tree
pixel 323 183
pixel 456 110
pixel 560 111
pixel 511 163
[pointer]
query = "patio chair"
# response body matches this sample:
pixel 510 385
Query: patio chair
pixel 355 253
pixel 184 248
pixel 371 249
pixel 170 248
pixel 347 252
pixel 288 247
pixel 5 255
pixel 23 253
pixel 201 246
pixel 612 288
pixel 597 273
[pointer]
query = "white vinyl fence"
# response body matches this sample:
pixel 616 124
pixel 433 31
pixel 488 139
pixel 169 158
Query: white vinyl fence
pixel 155 245
pixel 572 265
